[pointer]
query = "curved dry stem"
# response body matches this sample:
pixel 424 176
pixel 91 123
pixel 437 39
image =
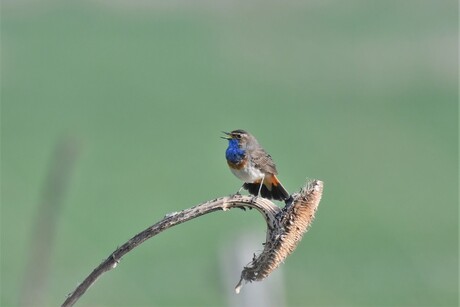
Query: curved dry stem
pixel 282 239
pixel 280 236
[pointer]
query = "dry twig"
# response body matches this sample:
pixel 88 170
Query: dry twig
pixel 285 228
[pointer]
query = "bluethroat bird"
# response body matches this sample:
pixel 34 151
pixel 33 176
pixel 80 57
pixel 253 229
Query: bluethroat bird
pixel 251 163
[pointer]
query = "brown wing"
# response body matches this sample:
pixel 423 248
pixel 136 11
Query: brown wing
pixel 263 161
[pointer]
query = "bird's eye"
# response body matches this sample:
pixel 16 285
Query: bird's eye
pixel 238 136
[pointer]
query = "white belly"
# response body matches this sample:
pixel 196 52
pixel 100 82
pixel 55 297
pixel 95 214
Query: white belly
pixel 248 173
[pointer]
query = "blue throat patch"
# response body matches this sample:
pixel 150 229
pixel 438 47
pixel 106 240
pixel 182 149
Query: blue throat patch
pixel 234 153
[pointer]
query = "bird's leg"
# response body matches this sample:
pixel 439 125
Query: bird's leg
pixel 239 191
pixel 261 184
pixel 254 198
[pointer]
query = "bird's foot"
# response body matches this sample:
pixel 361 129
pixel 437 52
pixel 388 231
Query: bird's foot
pixel 235 194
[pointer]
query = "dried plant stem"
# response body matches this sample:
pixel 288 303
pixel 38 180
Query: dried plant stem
pixel 60 172
pixel 285 228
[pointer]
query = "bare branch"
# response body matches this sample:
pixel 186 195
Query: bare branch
pixel 284 230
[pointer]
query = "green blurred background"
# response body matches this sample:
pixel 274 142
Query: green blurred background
pixel 359 94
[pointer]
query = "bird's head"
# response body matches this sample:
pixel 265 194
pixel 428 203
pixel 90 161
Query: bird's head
pixel 240 137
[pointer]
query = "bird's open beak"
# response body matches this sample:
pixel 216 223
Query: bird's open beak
pixel 228 137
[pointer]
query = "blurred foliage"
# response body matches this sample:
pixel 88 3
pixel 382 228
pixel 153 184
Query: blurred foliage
pixel 359 94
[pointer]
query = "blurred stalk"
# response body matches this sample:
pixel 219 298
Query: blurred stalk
pixel 270 293
pixel 43 232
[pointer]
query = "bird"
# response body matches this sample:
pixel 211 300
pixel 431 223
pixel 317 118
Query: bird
pixel 251 163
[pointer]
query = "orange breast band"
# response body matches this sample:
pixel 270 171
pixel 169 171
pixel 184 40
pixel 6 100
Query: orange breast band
pixel 238 165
